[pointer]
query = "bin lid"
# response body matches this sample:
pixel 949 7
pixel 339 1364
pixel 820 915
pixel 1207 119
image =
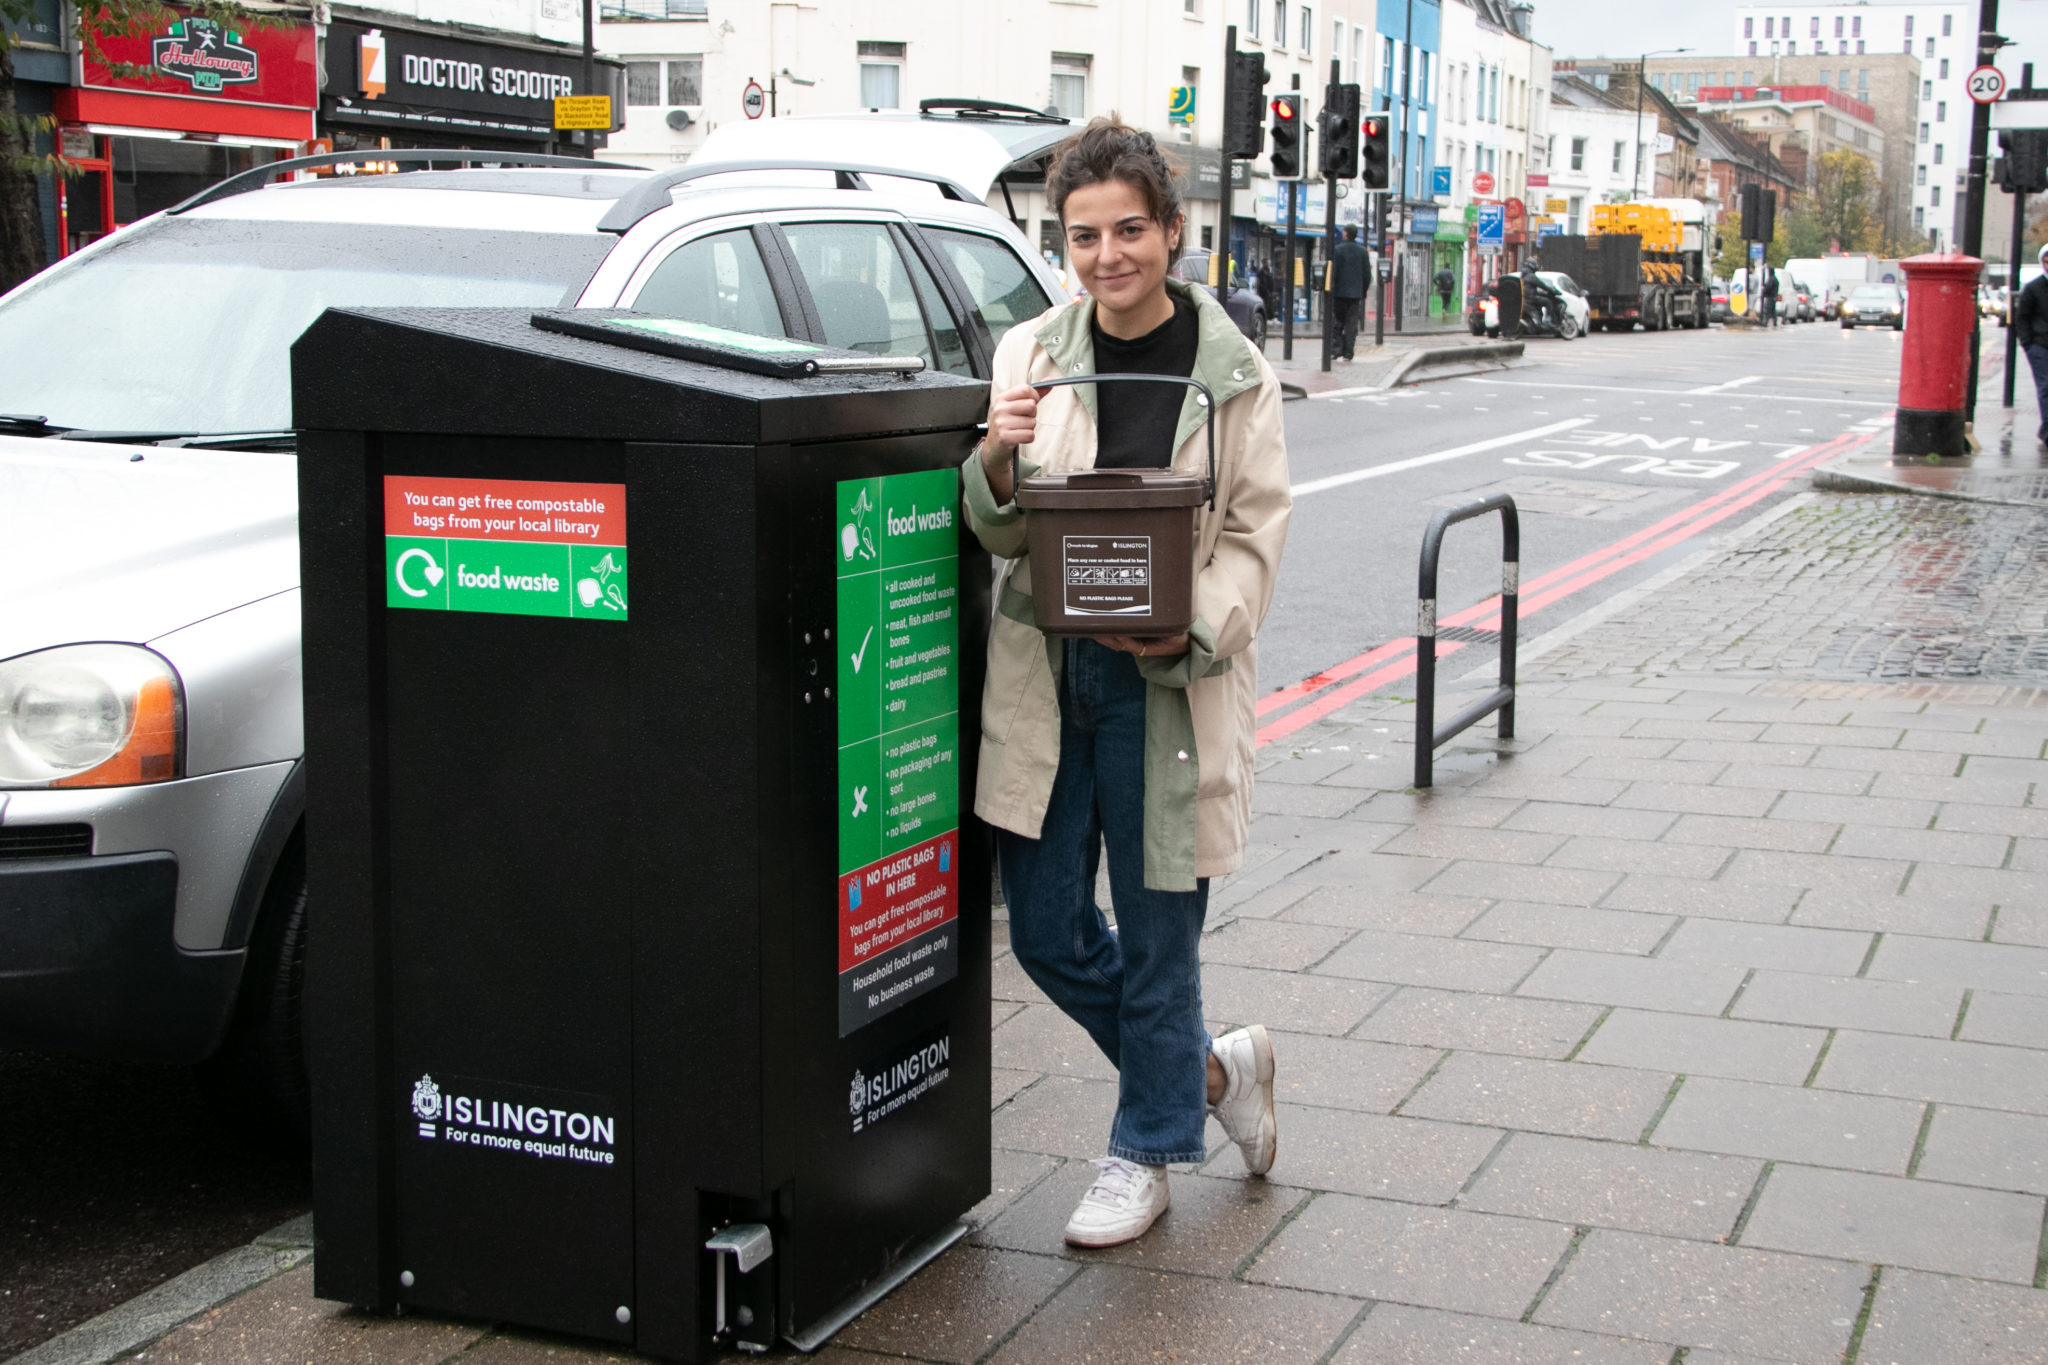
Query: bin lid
pixel 1095 490
pixel 783 357
pixel 492 372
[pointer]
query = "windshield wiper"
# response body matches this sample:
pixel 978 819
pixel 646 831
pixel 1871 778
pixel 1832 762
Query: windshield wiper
pixel 27 424
pixel 209 440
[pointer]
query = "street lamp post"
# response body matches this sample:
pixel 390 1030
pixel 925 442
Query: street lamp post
pixel 1635 183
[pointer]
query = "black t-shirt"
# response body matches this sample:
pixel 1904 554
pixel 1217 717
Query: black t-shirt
pixel 1135 423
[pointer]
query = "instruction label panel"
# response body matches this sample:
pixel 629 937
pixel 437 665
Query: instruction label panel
pixel 509 546
pixel 1107 575
pixel 897 683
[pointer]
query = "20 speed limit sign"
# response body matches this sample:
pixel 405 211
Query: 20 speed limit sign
pixel 1987 85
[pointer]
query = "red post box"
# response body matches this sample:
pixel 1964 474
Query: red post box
pixel 1934 370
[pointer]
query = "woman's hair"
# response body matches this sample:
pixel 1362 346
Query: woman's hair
pixel 1108 149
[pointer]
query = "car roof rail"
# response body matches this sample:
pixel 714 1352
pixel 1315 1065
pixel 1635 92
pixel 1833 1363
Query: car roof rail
pixel 257 178
pixel 968 108
pixel 652 194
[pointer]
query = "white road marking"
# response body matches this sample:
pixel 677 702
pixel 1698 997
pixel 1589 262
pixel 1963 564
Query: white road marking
pixel 1730 384
pixel 1615 388
pixel 1455 452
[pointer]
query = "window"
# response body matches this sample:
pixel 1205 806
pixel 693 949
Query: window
pixel 1752 49
pixel 1770 28
pixel 1774 49
pixel 648 85
pixel 1920 219
pixel 1941 111
pixel 1337 40
pixel 1387 67
pixel 1935 196
pixel 1251 17
pixel 1358 40
pixel 1070 84
pixel 1578 154
pixel 1003 291
pixel 1937 153
pixel 1748 78
pixel 1855 27
pixel 1859 47
pixel 861 288
pixel 1496 94
pixel 1943 72
pixel 1279 23
pixel 1193 7
pixel 1920 174
pixel 716 280
pixel 1909 26
pixel 1946 20
pixel 1308 31
pixel 1574 207
pixel 1930 47
pixel 1692 82
pixel 1422 78
pixel 1792 48
pixel 881 75
pixel 1749 27
pixel 1923 132
pixel 1656 80
pixel 1619 148
pixel 1927 90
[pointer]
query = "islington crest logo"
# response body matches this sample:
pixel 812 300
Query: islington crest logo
pixel 426 1103
pixel 858 1099
pixel 204 55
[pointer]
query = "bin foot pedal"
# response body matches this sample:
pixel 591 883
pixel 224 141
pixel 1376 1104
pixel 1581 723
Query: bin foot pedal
pixel 818 1333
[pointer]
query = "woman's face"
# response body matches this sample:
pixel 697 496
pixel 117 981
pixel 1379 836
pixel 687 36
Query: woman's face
pixel 1119 252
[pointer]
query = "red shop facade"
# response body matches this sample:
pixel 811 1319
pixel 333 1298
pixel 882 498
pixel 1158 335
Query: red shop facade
pixel 215 101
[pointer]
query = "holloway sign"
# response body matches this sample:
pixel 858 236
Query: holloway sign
pixel 204 55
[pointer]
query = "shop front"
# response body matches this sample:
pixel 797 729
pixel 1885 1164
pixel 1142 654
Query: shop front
pixel 388 86
pixel 1517 239
pixel 213 101
pixel 1449 243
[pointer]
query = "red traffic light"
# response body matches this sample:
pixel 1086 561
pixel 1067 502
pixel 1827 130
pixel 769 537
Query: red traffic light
pixel 1283 108
pixel 1372 127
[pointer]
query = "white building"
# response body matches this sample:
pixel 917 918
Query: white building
pixel 1942 36
pixel 1594 143
pixel 1493 112
pixel 689 63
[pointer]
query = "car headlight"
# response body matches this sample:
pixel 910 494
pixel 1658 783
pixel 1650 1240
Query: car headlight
pixel 90 716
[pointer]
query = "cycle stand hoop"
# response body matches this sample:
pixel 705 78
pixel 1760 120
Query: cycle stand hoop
pixel 1428 735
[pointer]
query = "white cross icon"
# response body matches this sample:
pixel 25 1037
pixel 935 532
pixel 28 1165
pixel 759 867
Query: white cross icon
pixel 860 801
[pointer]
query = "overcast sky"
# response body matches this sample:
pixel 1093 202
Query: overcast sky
pixel 1603 28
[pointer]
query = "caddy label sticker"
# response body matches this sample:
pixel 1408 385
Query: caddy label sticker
pixel 509 546
pixel 897 638
pixel 516 1120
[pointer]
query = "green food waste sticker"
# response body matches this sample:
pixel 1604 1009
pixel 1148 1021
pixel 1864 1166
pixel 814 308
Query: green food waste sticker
pixel 896 545
pixel 708 335
pixel 505 546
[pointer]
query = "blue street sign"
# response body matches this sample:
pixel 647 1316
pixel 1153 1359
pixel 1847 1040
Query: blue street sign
pixel 1440 180
pixel 1756 252
pixel 1493 225
pixel 1548 230
pixel 1422 222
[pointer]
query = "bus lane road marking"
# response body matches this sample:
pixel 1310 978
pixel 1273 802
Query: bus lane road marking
pixel 1301 490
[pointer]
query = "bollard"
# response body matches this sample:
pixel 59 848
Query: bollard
pixel 1934 370
pixel 1428 734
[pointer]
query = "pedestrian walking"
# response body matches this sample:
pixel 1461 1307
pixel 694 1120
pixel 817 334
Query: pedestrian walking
pixel 1144 745
pixel 2030 321
pixel 1350 270
pixel 1769 295
pixel 1446 286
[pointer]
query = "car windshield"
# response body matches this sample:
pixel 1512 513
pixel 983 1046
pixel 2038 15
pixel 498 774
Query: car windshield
pixel 1873 293
pixel 186 324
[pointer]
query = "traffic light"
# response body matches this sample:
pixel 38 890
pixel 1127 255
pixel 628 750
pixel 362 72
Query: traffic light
pixel 1759 213
pixel 1340 132
pixel 1374 171
pixel 1244 106
pixel 1287 137
pixel 2024 169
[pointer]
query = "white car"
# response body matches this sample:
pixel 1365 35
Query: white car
pixel 152 881
pixel 1576 308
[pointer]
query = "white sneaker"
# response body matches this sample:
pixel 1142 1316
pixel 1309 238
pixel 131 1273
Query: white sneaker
pixel 1246 1109
pixel 1122 1204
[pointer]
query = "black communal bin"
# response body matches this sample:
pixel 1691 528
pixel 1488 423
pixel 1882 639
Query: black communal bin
pixel 650 964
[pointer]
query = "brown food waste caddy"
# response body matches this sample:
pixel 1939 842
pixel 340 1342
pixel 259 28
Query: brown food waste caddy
pixel 1113 550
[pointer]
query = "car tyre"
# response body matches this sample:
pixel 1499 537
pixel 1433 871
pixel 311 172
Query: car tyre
pixel 1568 327
pixel 261 1068
pixel 1260 328
pixel 1848 326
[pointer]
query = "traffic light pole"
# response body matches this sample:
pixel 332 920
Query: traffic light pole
pixel 2012 276
pixel 1988 43
pixel 1379 280
pixel 1222 248
pixel 1329 243
pixel 1287 268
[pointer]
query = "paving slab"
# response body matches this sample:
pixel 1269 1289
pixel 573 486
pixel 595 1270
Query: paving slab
pixel 1397 1334
pixel 1825 952
pixel 1480 1023
pixel 1039 1038
pixel 1754 904
pixel 2018 1020
pixel 1060 1116
pixel 1285 946
pixel 1292 1001
pixel 1986 1148
pixel 1615 1185
pixel 1212 1225
pixel 1884 912
pixel 1978 1074
pixel 1788 1123
pixel 1882 1219
pixel 1762 1303
pixel 1422 960
pixel 960 1306
pixel 1794 997
pixel 281 1320
pixel 1346 1073
pixel 1919 1319
pixel 1403 1253
pixel 1506 881
pixel 1617 979
pixel 1571 926
pixel 1401 912
pixel 1567 1098
pixel 1124 1315
pixel 1416 1161
pixel 2003 967
pixel 1693 1046
pixel 1718 797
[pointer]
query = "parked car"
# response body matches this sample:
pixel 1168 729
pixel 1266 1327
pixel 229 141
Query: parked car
pixel 151 749
pixel 1799 300
pixel 1874 305
pixel 1246 308
pixel 1991 303
pixel 1717 303
pixel 1578 311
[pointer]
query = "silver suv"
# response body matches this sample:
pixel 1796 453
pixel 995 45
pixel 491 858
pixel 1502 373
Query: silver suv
pixel 153 891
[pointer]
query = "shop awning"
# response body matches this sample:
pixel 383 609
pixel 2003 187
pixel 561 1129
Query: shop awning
pixel 175 113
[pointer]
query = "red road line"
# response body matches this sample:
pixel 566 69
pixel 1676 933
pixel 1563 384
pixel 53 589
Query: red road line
pixel 1294 692
pixel 1759 487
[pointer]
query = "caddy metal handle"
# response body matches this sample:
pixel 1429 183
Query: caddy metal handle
pixel 1208 407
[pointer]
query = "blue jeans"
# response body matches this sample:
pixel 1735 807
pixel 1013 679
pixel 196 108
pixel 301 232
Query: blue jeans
pixel 1138 989
pixel 2037 361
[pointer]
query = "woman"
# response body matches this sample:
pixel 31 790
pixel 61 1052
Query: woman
pixel 1145 745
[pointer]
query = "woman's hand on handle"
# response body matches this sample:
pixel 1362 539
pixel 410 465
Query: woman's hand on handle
pixel 1012 422
pixel 1158 647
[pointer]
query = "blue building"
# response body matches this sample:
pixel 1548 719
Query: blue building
pixel 1409 35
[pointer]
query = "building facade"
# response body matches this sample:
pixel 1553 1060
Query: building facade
pixel 1942 37
pixel 1495 109
pixel 1886 84
pixel 1597 145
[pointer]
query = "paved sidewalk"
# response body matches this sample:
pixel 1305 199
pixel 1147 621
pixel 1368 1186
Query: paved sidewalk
pixel 1705 1020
